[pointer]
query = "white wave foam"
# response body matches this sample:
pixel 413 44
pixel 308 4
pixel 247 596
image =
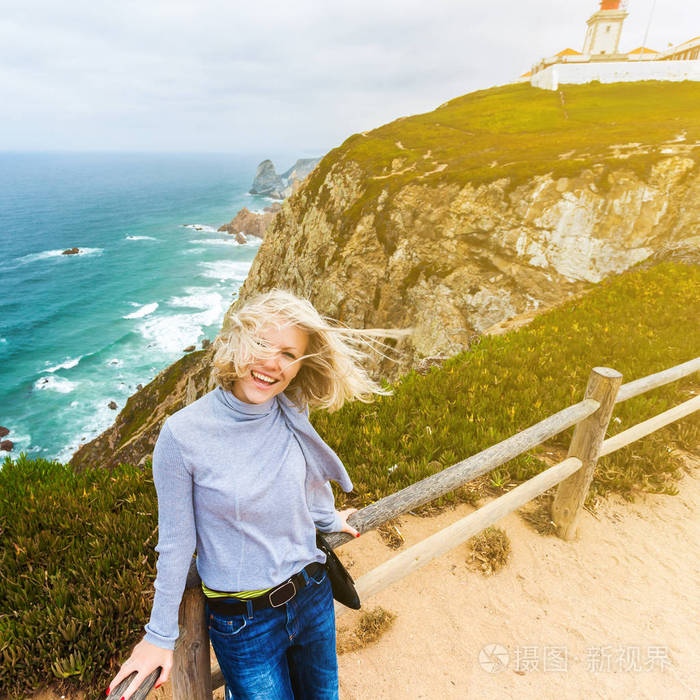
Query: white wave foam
pixel 140 238
pixel 115 362
pixel 226 270
pixel 198 298
pixel 67 364
pixel 216 241
pixel 201 227
pixel 21 442
pixel 101 416
pixel 46 254
pixel 143 311
pixel 55 383
pixel 171 334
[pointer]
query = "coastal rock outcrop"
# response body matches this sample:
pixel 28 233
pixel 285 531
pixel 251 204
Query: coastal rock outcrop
pixel 267 182
pixel 3 431
pixel 6 446
pixel 71 251
pixel 252 223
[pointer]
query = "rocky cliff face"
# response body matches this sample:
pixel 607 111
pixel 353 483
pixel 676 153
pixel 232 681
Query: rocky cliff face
pixel 450 240
pixel 452 260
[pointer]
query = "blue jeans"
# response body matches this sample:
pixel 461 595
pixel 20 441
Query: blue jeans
pixel 280 653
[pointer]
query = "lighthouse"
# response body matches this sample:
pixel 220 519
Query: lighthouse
pixel 604 29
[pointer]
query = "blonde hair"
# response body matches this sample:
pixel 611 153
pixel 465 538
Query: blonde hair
pixel 331 372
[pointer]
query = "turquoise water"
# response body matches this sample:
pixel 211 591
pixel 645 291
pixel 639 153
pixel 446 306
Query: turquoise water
pixel 79 331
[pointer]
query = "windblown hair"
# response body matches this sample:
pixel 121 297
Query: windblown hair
pixel 331 371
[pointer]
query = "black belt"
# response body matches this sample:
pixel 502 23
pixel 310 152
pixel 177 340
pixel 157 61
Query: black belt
pixel 274 598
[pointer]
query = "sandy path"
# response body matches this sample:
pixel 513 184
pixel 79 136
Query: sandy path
pixel 630 585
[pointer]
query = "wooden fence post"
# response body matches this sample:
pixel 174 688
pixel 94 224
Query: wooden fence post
pixel 191 673
pixel 603 385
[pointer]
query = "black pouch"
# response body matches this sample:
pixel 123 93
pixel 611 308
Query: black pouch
pixel 341 582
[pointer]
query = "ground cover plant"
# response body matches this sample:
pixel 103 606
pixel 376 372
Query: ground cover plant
pixel 76 553
pixel 78 564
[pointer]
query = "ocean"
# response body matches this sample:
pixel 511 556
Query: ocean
pixel 153 277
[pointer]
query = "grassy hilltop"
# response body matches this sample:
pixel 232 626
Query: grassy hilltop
pixel 517 131
pixel 77 549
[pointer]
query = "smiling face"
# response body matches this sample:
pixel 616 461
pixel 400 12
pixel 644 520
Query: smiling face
pixel 269 377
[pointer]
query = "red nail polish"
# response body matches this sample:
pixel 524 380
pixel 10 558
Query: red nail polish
pixel 108 691
pixel 158 685
pixel 357 535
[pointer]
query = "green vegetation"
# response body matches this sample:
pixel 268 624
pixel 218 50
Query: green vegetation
pixel 638 323
pixel 77 548
pixel 137 412
pixel 77 564
pixel 517 132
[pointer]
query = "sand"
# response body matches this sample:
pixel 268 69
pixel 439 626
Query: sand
pixel 613 614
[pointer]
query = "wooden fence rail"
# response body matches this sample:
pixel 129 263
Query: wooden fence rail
pixel 193 678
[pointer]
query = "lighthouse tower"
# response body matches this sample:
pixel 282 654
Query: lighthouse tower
pixel 604 29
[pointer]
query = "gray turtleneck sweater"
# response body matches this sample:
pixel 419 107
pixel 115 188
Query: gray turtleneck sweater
pixel 246 484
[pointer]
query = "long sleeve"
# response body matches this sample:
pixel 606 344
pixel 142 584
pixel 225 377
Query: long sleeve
pixel 176 538
pixel 319 498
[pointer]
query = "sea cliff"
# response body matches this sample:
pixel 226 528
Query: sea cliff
pixel 496 204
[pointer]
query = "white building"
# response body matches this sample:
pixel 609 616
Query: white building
pixel 604 29
pixel 601 58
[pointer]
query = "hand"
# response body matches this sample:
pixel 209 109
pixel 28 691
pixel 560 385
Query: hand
pixel 144 659
pixel 344 515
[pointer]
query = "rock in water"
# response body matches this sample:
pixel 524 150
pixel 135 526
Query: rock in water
pixel 112 405
pixel 267 181
pixel 6 445
pixel 71 251
pixel 251 224
pixel 190 348
pixel 3 431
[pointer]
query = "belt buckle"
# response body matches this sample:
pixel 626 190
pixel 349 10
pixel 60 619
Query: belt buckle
pixel 279 589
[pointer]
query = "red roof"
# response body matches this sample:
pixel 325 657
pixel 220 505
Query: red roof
pixel 610 4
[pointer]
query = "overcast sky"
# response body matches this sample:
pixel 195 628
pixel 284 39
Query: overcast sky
pixel 261 76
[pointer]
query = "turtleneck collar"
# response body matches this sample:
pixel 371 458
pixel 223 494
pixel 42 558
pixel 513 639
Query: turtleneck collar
pixel 243 407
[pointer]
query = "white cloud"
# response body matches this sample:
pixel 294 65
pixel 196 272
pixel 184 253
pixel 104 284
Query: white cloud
pixel 242 76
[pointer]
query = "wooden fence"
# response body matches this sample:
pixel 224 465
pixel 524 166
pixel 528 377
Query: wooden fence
pixel 192 676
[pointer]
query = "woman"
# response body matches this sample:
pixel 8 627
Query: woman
pixel 243 477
